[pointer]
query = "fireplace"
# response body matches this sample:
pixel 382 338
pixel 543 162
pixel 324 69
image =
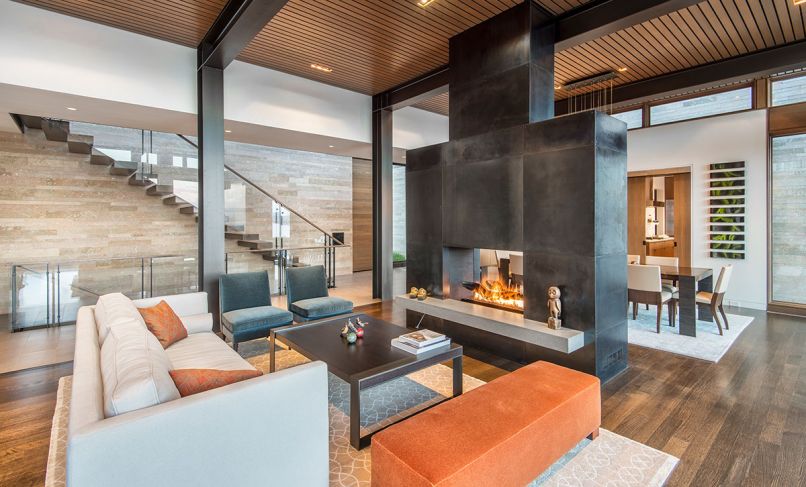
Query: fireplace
pixel 554 193
pixel 500 282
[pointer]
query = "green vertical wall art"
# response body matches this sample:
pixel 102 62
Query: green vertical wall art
pixel 726 210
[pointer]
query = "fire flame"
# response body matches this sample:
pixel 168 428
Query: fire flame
pixel 496 292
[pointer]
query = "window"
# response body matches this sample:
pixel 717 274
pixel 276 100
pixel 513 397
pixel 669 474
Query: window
pixel 788 90
pixel 633 118
pixel 702 106
pixel 788 188
pixel 399 213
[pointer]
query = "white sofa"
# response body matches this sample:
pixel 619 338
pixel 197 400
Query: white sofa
pixel 270 430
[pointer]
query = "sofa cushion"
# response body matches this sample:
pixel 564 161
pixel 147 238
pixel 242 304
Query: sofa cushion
pixel 199 323
pixel 205 351
pixel 183 304
pixel 321 307
pixel 194 381
pixel 164 324
pixel 112 309
pixel 258 317
pixel 134 370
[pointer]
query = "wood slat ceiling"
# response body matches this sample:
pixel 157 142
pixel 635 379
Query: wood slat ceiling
pixel 707 32
pixel 179 21
pixel 373 45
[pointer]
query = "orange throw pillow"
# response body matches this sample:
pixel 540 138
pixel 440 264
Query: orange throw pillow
pixel 193 381
pixel 164 324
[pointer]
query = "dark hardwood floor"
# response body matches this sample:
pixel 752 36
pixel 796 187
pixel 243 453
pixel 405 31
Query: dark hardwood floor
pixel 739 422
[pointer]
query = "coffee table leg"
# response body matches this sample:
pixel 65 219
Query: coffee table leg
pixel 271 351
pixel 458 376
pixel 355 415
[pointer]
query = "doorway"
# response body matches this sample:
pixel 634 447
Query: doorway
pixel 659 214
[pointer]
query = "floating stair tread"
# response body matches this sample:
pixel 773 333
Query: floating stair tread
pixel 159 189
pixel 256 244
pixel 241 235
pixel 172 199
pixel 31 122
pixel 55 130
pixel 98 158
pixel 80 144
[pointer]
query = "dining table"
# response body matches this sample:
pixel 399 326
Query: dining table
pixel 690 280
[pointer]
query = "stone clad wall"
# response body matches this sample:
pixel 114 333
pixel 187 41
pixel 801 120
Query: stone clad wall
pixel 56 206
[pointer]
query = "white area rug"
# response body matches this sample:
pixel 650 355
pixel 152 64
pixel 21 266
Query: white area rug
pixel 707 345
pixel 610 460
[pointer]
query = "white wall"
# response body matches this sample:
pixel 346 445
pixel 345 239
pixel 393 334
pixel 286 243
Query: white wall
pixel 49 51
pixel 728 138
pixel 417 128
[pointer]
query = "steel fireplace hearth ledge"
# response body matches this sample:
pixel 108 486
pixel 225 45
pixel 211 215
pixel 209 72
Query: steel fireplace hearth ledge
pixel 500 322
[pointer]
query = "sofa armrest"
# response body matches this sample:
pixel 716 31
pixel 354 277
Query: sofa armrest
pixel 269 430
pixel 201 323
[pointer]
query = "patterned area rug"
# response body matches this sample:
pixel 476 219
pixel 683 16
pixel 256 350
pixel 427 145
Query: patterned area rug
pixel 708 345
pixel 609 460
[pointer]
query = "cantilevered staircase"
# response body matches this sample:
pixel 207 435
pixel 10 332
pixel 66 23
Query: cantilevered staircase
pixel 137 174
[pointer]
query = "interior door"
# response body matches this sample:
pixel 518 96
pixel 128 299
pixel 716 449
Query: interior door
pixel 637 191
pixel 682 217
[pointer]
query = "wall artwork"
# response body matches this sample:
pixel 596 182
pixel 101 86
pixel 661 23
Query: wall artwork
pixel 726 207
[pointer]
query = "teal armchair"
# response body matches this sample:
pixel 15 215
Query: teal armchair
pixel 307 294
pixel 246 310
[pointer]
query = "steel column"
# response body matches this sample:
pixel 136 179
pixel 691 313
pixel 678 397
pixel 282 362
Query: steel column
pixel 212 259
pixel 382 267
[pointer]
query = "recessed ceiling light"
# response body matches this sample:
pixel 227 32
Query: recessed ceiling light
pixel 228 131
pixel 322 68
pixel 425 3
pixel 799 2
pixel 72 109
pixel 621 70
pixel 557 87
pixel 331 146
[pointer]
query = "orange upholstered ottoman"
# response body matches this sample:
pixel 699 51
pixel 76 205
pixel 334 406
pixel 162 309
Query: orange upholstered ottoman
pixel 505 433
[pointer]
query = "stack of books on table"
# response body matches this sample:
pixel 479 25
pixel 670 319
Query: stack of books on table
pixel 421 341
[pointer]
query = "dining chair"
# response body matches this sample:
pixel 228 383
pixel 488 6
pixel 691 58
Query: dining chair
pixel 715 298
pixel 644 286
pixel 668 284
pixel 633 259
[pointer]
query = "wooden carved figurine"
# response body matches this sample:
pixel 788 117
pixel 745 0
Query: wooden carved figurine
pixel 555 308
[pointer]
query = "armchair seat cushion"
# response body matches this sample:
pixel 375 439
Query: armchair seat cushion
pixel 321 307
pixel 669 288
pixel 260 317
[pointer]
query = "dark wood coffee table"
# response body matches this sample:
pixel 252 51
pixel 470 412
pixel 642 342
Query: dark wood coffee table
pixel 369 362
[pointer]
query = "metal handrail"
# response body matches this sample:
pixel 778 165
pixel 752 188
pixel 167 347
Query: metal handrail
pixel 102 259
pixel 254 185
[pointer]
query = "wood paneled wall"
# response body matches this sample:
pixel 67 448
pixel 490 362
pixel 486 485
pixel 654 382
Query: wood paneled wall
pixel 682 217
pixel 362 215
pixel 638 192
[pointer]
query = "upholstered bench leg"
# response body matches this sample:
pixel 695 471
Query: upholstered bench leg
pixel 594 434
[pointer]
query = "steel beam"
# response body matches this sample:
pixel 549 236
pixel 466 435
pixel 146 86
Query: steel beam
pixel 382 267
pixel 598 19
pixel 416 90
pixel 237 24
pixel 755 64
